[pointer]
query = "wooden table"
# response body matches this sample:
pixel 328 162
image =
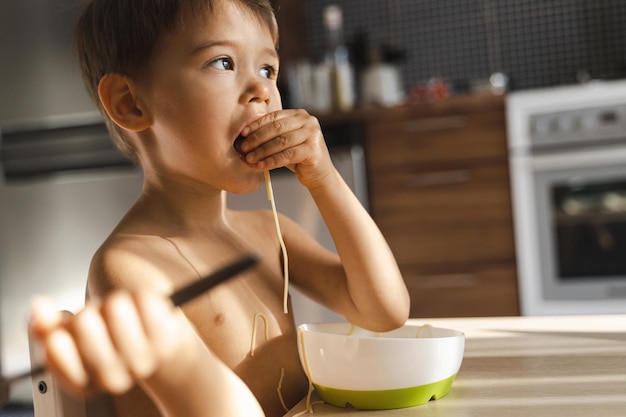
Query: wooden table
pixel 570 366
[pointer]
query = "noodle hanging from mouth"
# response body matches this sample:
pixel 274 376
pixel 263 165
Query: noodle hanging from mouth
pixel 283 248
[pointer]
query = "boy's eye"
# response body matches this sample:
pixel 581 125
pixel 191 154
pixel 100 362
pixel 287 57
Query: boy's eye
pixel 268 72
pixel 222 64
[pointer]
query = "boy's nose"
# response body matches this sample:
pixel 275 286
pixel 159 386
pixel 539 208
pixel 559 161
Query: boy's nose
pixel 258 90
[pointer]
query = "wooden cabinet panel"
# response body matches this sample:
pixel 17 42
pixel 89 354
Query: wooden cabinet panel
pixel 467 289
pixel 464 192
pixel 461 214
pixel 438 139
pixel 439 191
pixel 454 243
pixel 293 42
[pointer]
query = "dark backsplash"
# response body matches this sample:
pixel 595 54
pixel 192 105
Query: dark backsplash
pixel 537 43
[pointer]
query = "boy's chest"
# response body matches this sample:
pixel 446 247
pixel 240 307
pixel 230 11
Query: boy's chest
pixel 243 317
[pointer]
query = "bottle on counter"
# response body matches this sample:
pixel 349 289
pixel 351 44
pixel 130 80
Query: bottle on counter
pixel 381 82
pixel 337 59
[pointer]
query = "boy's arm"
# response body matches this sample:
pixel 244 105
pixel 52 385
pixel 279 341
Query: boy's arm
pixel 364 284
pixel 378 297
pixel 201 385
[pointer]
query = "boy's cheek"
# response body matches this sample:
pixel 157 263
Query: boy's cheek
pixel 276 103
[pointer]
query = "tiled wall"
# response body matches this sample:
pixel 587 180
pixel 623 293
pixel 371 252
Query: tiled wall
pixel 537 43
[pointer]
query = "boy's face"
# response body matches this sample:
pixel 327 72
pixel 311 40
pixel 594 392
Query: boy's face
pixel 207 81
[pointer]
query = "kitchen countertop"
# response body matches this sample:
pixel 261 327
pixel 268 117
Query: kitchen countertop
pixel 571 366
pixel 456 104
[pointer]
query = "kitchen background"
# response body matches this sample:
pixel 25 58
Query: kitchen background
pixel 45 244
pixel 537 43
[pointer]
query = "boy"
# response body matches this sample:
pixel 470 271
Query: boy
pixel 179 82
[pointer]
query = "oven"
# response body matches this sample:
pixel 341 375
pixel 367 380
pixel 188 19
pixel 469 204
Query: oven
pixel 567 148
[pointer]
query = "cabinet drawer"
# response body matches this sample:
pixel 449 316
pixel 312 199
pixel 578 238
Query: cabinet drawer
pixel 461 290
pixel 436 139
pixel 463 192
pixel 466 219
pixel 455 242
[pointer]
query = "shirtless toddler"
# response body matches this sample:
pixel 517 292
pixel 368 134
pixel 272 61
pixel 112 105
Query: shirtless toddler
pixel 178 81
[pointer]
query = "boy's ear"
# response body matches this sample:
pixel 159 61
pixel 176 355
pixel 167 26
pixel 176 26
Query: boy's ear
pixel 118 96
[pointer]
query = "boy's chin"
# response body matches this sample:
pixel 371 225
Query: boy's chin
pixel 249 188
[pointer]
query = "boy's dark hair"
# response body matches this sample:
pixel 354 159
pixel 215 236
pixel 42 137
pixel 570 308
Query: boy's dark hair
pixel 119 36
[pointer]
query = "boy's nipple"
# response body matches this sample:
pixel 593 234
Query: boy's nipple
pixel 219 319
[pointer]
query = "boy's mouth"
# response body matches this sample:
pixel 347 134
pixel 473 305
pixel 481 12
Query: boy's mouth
pixel 240 138
pixel 237 144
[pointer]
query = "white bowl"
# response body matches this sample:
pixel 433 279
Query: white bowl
pixel 402 368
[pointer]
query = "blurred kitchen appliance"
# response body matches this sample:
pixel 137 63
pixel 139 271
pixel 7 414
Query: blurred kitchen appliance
pixel 39 73
pixel 63 188
pixel 568 170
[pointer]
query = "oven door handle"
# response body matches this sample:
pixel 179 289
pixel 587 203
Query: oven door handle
pixel 580 158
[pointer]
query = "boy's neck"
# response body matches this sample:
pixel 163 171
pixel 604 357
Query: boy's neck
pixel 184 204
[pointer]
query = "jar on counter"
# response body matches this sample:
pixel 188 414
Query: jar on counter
pixel 337 60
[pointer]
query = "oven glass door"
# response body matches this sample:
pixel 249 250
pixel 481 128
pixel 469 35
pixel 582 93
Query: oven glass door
pixel 581 215
pixel 589 227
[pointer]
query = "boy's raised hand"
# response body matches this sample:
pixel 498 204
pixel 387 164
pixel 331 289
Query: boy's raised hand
pixel 291 138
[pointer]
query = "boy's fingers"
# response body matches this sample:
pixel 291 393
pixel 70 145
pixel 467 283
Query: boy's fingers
pixel 63 359
pixel 273 119
pixel 98 352
pixel 268 127
pixel 107 345
pixel 48 325
pixel 44 317
pixel 281 130
pixel 128 334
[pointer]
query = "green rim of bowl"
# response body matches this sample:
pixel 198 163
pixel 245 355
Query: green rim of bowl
pixel 386 399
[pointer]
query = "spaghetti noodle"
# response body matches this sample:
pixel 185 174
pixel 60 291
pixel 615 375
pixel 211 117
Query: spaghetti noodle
pixel 254 325
pixel 309 405
pixel 279 389
pixel 283 248
pixel 421 329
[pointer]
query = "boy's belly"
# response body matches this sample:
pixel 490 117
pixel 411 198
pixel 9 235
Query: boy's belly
pixel 274 375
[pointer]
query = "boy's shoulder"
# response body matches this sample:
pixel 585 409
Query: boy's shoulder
pixel 131 262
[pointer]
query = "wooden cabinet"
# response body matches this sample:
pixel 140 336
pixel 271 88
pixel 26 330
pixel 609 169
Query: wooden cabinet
pixel 293 42
pixel 439 190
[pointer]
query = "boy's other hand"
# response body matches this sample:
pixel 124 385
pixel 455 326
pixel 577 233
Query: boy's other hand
pixel 109 345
